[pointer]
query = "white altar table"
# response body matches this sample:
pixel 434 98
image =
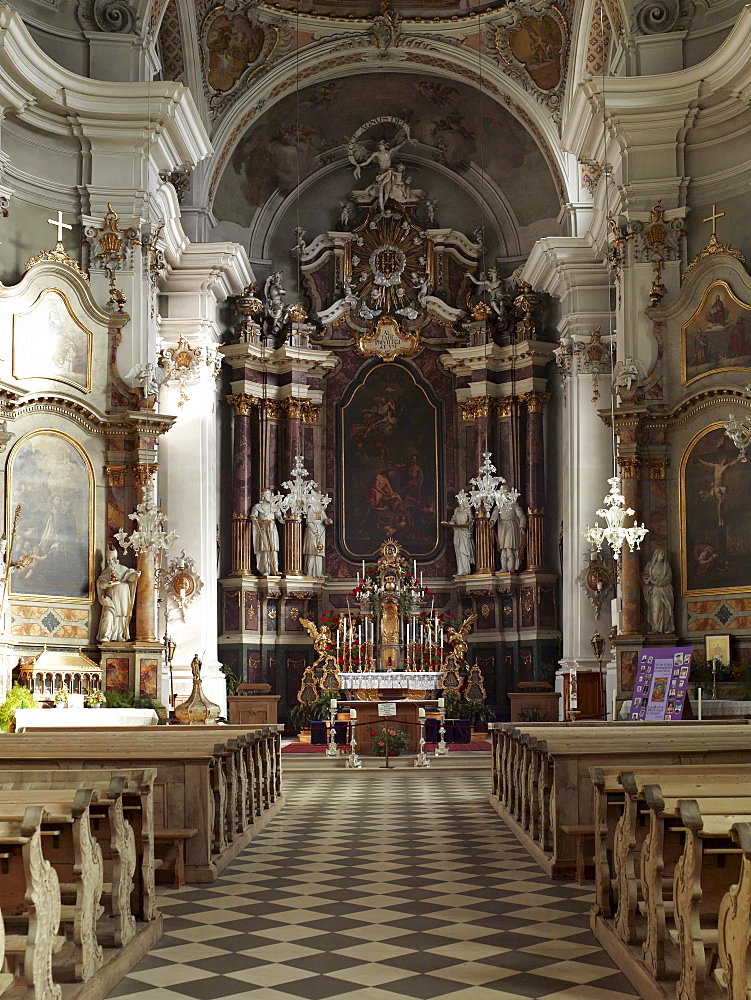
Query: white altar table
pixel 414 680
pixel 83 718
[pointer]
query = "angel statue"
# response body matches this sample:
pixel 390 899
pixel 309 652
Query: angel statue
pixel 274 307
pixel 388 175
pixel 150 376
pixel 457 639
pixel 325 666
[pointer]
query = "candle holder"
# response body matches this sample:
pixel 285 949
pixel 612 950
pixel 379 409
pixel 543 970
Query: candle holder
pixel 332 750
pixel 352 760
pixel 442 749
pixel 714 679
pixel 422 759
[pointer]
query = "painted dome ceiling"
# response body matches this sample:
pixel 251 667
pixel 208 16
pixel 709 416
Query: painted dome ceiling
pixel 369 8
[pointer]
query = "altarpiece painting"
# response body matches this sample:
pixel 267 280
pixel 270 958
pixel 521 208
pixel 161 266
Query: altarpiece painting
pixel 49 342
pixel 718 336
pixel 51 479
pixel 715 515
pixel 389 447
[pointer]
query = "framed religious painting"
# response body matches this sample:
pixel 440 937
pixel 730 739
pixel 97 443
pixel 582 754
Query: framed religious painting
pixel 715 515
pixel 50 342
pixel 51 486
pixel 389 463
pixel 717 337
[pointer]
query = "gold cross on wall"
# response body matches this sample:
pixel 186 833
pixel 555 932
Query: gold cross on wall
pixel 713 219
pixel 60 226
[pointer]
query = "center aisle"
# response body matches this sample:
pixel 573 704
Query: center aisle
pixel 380 885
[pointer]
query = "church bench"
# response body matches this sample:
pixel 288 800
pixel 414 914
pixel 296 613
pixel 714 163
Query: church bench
pixel 175 842
pixel 136 788
pixel 29 887
pixel 191 760
pixel 544 782
pixel 733 972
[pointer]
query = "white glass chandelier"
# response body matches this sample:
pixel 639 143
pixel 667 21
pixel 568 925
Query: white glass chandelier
pixel 739 433
pixel 303 493
pixel 487 489
pixel 615 513
pixel 150 535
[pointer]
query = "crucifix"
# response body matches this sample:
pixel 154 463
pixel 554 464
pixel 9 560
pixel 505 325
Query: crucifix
pixel 60 226
pixel 713 219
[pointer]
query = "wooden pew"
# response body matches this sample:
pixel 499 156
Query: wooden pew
pixel 734 923
pixel 207 761
pixel 542 775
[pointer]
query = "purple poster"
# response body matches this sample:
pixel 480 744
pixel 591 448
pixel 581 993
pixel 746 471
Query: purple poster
pixel 661 683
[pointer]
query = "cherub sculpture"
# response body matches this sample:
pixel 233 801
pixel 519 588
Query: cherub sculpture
pixel 457 660
pixel 325 666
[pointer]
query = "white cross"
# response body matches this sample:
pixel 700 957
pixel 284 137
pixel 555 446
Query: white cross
pixel 60 226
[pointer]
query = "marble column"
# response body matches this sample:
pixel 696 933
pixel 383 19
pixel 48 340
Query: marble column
pixel 535 402
pixel 242 404
pixel 506 460
pixel 293 443
pixel 293 558
pixel 484 543
pixel 145 617
pixel 630 467
pixel 477 411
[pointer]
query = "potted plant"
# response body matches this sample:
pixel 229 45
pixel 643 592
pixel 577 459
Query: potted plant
pixel 61 698
pixel 94 698
pixel 396 740
pixel 18 697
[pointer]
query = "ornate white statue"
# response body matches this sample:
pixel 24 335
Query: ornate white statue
pixel 389 178
pixel 116 590
pixel 263 517
pixel 657 583
pixel 511 523
pixel 276 310
pixel 462 523
pixel 150 376
pixel 314 542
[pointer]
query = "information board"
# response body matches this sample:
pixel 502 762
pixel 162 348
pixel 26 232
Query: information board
pixel 387 708
pixel 661 683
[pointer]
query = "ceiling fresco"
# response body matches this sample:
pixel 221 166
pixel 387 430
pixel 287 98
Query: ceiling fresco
pixel 422 9
pixel 450 125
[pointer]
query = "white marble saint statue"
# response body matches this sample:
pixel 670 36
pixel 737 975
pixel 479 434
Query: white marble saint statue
pixel 274 306
pixel 462 524
pixel 511 523
pixel 657 583
pixel 116 590
pixel 314 541
pixel 263 517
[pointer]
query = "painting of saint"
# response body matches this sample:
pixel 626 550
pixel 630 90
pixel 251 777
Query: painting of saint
pixel 232 44
pixel 715 515
pixel 51 479
pixel 50 343
pixel 389 464
pixel 715 337
pixel 538 43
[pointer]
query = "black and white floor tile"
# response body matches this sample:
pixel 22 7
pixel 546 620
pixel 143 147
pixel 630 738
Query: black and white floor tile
pixel 380 885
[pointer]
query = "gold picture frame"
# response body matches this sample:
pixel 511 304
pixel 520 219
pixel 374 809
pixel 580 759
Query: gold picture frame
pixel 717 645
pixel 698 329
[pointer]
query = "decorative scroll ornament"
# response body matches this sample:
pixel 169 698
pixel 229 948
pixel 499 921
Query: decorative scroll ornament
pixel 591 174
pixel 111 247
pixel 250 308
pixel 387 340
pixel 597 578
pixel 59 255
pixel 657 17
pixel 714 246
pixel 595 359
pixel 532 40
pixel 181 583
pixel 183 364
pixel 564 355
pixel 659 239
pixel 113 16
pixel 614 533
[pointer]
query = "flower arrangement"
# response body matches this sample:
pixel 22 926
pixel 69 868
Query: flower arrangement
pixel 396 740
pixel 94 698
pixel 61 698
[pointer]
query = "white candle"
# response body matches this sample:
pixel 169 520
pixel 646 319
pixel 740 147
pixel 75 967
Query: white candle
pixel 333 704
pixel 420 713
pixel 573 691
pixel 414 568
pixel 421 579
pixel 614 707
pixel 363 569
pixel 699 704
pixel 441 703
pixel 353 713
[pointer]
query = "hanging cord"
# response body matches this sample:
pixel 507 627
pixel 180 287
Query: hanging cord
pixel 297 142
pixel 482 134
pixel 611 287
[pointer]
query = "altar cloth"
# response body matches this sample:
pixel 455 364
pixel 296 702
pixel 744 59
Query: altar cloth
pixel 413 680
pixel 83 718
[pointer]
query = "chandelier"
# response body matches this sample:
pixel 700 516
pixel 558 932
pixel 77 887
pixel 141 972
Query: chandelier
pixel 150 535
pixel 615 513
pixel 301 494
pixel 487 489
pixel 739 430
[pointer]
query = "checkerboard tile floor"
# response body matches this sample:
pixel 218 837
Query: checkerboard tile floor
pixel 379 885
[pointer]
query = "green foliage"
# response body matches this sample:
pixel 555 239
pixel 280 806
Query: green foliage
pixel 129 699
pixel 386 735
pixel 302 715
pixel 531 715
pixel 18 697
pixel 231 679
pixel 479 713
pixel 453 705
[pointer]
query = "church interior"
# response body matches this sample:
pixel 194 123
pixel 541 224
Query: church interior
pixel 390 405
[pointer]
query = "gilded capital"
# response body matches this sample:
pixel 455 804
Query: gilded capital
pixel 504 406
pixel 143 473
pixel 657 467
pixel 473 409
pixel 115 475
pixel 274 409
pixel 629 466
pixel 535 400
pixel 242 403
